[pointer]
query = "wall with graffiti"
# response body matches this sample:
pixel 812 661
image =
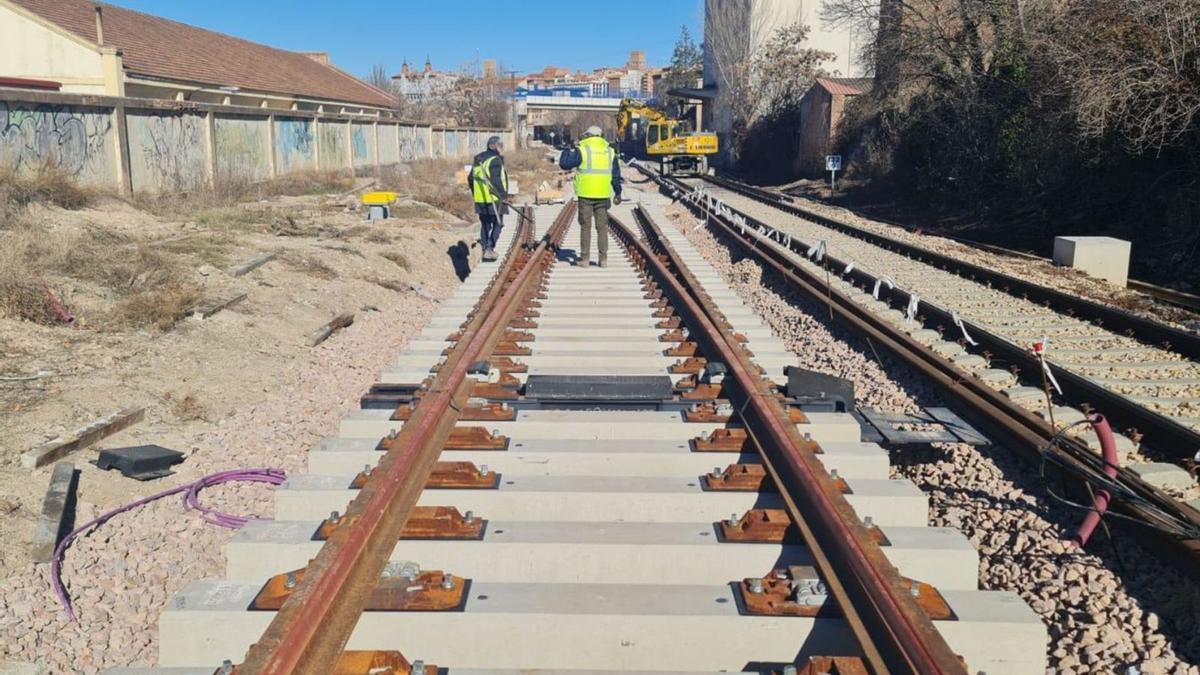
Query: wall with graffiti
pixel 242 149
pixel 167 150
pixel 332 137
pixel 362 144
pixel 389 143
pixel 77 140
pixel 295 148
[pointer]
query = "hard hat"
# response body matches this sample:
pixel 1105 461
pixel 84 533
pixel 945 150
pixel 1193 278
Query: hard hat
pixel 594 131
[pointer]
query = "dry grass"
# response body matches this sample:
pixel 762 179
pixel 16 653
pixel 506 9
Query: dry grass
pixel 397 258
pixel 222 202
pixel 47 186
pixel 309 265
pixel 159 308
pixel 188 409
pixel 432 181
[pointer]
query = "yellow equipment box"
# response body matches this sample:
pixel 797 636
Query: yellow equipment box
pixel 379 198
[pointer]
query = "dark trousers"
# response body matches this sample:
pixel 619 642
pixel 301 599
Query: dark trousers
pixel 593 210
pixel 490 225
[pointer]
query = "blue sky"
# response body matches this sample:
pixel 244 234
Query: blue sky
pixel 524 35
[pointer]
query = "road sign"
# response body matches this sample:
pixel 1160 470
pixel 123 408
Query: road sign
pixel 833 164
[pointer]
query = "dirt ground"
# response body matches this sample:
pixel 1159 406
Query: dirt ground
pixel 135 344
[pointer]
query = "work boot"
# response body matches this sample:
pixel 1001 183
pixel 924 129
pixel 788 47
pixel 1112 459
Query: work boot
pixel 603 261
pixel 584 263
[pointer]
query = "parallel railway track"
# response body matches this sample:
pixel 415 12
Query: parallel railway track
pixel 971 374
pixel 534 488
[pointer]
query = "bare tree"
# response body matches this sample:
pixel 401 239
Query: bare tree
pixel 380 79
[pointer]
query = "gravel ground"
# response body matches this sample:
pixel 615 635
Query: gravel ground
pixel 1017 319
pixel 1039 271
pixel 122 574
pixel 1114 606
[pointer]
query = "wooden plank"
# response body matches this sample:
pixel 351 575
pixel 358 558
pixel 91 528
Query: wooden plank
pixel 248 267
pixel 205 311
pixel 54 511
pixel 62 446
pixel 337 323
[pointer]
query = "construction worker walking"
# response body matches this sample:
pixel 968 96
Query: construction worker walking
pixel 597 187
pixel 489 188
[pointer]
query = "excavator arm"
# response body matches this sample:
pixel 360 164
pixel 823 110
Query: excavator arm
pixel 631 108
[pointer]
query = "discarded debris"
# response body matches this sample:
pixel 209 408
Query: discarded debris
pixel 55 506
pixel 26 378
pixel 247 267
pixel 337 323
pixel 140 462
pixel 205 311
pixel 62 446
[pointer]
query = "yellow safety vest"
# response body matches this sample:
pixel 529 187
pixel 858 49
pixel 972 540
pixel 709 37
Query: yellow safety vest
pixel 593 178
pixel 481 186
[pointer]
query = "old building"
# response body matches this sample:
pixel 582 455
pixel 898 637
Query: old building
pixel 821 111
pixel 417 86
pixel 95 48
pixel 735 31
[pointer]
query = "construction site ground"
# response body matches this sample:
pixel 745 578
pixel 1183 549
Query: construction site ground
pixel 198 379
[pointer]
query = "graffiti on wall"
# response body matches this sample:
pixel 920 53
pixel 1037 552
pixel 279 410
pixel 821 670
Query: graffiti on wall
pixel 75 140
pixel 294 144
pixel 389 139
pixel 358 145
pixel 241 144
pixel 333 145
pixel 167 150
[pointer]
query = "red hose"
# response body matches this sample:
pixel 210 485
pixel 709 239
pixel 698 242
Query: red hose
pixel 1108 450
pixel 60 312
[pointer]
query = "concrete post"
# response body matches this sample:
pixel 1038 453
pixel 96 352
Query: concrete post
pixel 316 131
pixel 121 138
pixel 271 147
pixel 349 145
pixel 378 161
pixel 113 71
pixel 210 143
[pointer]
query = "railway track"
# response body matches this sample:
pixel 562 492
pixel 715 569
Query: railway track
pixel 986 362
pixel 597 470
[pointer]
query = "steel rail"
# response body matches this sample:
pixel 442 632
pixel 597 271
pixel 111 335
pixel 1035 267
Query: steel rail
pixel 310 631
pixel 980 403
pixel 1147 331
pixel 895 634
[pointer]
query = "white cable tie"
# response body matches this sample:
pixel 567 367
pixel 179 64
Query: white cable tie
pixel 882 280
pixel 959 322
pixel 914 302
pixel 849 268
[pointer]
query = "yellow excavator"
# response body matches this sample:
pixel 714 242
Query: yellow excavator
pixel 663 138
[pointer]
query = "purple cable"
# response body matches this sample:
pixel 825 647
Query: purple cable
pixel 190 501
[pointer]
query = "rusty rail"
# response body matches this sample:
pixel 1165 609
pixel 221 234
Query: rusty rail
pixel 310 631
pixel 894 633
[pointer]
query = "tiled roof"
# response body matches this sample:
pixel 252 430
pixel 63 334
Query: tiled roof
pixel 846 86
pixel 163 49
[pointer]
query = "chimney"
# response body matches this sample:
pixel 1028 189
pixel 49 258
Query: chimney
pixel 320 57
pixel 99 25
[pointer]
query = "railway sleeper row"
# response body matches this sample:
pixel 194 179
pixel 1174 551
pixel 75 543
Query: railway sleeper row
pixel 614 524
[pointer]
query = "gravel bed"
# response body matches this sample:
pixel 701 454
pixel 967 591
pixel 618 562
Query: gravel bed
pixel 949 290
pixel 121 575
pixel 1113 606
pixel 1042 272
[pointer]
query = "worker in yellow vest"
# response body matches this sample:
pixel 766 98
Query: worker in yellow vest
pixel 597 187
pixel 489 188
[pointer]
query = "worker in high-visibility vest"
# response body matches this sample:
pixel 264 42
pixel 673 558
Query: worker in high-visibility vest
pixel 489 188
pixel 597 187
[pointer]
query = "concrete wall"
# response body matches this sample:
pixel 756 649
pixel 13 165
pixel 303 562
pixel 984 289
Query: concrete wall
pixel 168 150
pixel 149 145
pixel 80 140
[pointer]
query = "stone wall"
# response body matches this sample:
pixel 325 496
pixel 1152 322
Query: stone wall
pixel 150 145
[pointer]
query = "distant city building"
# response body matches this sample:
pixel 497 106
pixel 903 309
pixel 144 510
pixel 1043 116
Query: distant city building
pixel 634 79
pixel 428 83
